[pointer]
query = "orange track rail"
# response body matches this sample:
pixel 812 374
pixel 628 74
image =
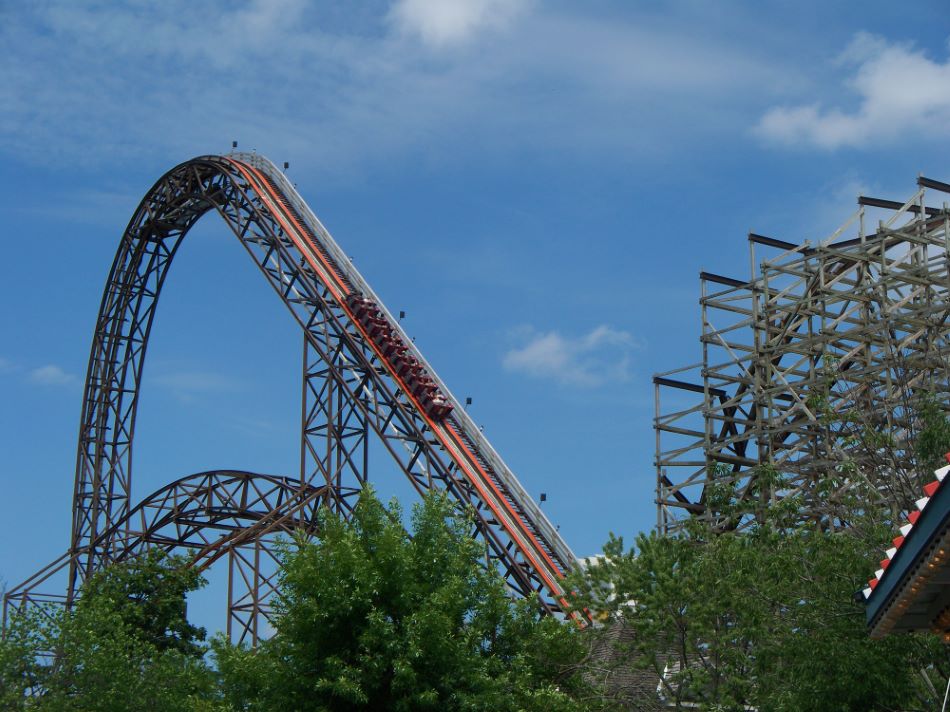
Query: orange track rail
pixel 454 443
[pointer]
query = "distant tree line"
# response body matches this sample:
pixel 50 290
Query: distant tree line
pixel 367 618
pixel 770 617
pixel 371 617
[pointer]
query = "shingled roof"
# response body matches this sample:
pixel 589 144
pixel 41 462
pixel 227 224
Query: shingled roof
pixel 612 668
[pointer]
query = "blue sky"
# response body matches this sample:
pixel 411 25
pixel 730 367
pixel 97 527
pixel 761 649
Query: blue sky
pixel 537 184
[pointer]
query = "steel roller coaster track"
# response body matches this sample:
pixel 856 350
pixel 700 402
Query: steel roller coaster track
pixel 363 378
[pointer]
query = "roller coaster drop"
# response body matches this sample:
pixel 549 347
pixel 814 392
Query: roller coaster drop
pixel 362 375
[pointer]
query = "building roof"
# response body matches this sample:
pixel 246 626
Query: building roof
pixel 911 589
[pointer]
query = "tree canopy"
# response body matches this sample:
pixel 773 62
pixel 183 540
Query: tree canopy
pixel 764 619
pixel 125 645
pixel 371 617
pixel 758 607
pixel 368 617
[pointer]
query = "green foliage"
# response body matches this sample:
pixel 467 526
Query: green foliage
pixel 763 618
pixel 148 598
pixel 367 618
pixel 126 645
pixel 933 439
pixel 371 618
pixel 21 670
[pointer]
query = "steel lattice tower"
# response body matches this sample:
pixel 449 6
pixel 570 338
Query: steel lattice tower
pixel 362 378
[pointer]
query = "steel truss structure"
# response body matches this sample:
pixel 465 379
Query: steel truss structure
pixel 813 370
pixel 362 378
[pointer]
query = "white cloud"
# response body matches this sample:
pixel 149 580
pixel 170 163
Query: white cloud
pixel 186 386
pixel 51 375
pixel 899 90
pixel 275 75
pixel 443 23
pixel 590 360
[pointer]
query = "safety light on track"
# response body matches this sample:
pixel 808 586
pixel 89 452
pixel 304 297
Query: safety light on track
pixel 544 497
pixel 233 144
pixel 402 315
pixel 468 400
pixel 286 165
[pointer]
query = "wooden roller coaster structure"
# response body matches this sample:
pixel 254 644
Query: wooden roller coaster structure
pixel 813 370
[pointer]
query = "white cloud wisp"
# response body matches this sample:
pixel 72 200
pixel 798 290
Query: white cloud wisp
pixel 189 386
pixel 900 90
pixel 337 88
pixel 443 23
pixel 51 375
pixel 591 360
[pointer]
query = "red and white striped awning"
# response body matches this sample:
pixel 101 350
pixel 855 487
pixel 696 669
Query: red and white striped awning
pixel 911 588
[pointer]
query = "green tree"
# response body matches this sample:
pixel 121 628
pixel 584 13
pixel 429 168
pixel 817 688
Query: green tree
pixel 933 439
pixel 22 670
pixel 126 645
pixel 765 618
pixel 371 618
